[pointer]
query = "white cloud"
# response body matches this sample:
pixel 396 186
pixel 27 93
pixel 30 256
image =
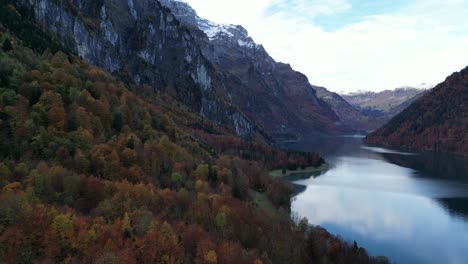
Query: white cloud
pixel 423 42
pixel 308 9
pixel 234 12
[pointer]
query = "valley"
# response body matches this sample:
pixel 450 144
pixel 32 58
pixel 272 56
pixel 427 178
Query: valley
pixel 141 132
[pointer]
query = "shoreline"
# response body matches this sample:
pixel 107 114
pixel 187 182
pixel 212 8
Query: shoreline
pixel 299 173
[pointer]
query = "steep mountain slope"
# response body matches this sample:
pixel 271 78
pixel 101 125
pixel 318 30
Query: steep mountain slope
pixel 399 108
pixel 350 116
pixel 383 101
pixel 438 121
pixel 93 170
pixel 215 69
pixel 143 41
pixel 272 93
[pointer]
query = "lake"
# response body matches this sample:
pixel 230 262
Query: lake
pixel 411 207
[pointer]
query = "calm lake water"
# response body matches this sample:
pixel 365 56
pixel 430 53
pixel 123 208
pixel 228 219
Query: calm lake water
pixel 410 207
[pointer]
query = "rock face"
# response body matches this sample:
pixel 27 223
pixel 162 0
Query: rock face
pixel 274 95
pixel 438 121
pixel 144 40
pixel 216 69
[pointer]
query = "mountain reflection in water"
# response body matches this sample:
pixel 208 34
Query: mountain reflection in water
pixel 411 207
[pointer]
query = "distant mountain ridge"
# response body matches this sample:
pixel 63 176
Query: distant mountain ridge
pixel 385 100
pixel 422 86
pixel 350 116
pixel 367 111
pixel 438 121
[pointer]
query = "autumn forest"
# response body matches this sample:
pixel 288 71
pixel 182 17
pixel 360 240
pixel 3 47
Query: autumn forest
pixel 97 169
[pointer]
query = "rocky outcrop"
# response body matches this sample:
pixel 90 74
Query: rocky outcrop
pixel 272 94
pixel 144 40
pixel 216 69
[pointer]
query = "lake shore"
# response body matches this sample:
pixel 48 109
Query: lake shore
pixel 300 173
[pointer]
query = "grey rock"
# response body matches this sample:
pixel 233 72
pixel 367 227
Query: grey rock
pixel 143 38
pixel 270 93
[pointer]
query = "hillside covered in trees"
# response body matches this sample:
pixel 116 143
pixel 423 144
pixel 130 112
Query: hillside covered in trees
pixel 97 170
pixel 438 121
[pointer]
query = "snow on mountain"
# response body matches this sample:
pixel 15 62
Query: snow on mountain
pixel 421 86
pixel 280 99
pixel 384 101
pixel 214 31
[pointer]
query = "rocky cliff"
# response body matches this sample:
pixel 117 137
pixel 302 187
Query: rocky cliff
pixel 144 40
pixel 271 93
pixel 216 69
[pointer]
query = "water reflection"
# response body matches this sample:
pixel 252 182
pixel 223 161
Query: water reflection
pixel 408 228
pixel 411 208
pixel 433 165
pixel 456 206
pixel 388 151
pixel 373 174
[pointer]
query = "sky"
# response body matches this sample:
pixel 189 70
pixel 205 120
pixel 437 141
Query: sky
pixel 350 45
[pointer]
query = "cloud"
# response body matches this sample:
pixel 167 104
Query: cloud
pixel 308 9
pixel 234 12
pixel 416 42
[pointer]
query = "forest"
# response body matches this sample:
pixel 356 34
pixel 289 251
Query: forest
pixel 94 169
pixel 436 122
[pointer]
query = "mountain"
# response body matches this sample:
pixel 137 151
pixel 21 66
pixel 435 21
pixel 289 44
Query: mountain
pixel 95 168
pixel 438 121
pixel 143 41
pixel 383 101
pixel 400 107
pixel 216 70
pixel 271 93
pixel 351 117
pixel 367 111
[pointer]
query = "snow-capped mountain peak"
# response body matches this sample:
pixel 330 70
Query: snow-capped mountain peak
pixel 423 86
pixel 214 31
